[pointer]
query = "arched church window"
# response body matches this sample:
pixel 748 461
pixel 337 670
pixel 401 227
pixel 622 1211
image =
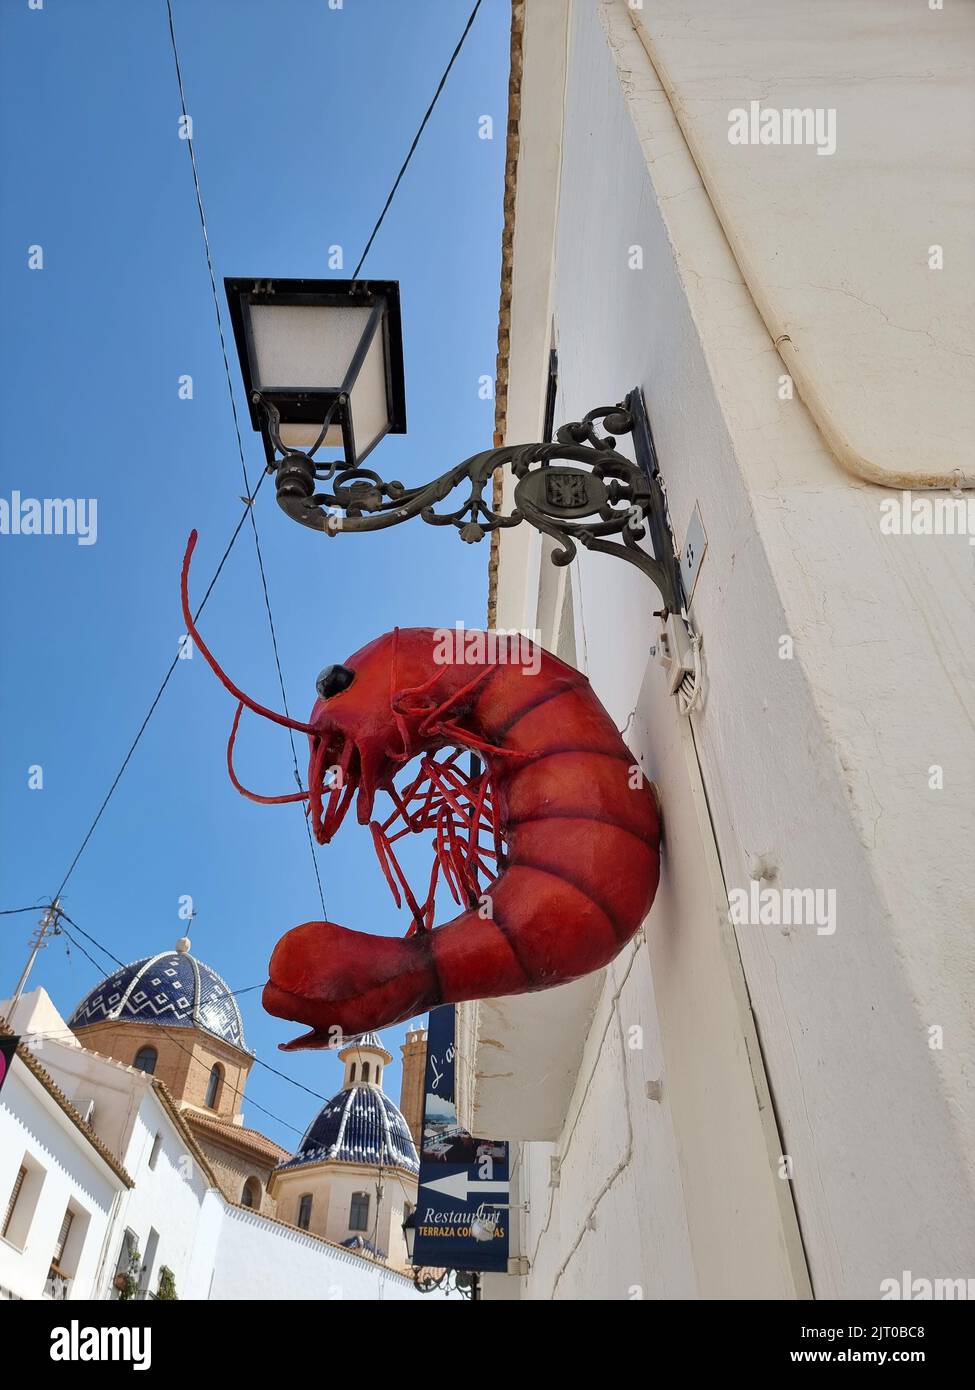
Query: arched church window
pixel 304 1211
pixel 213 1086
pixel 145 1060
pixel 365 1071
pixel 251 1195
pixel 352 1072
pixel 359 1212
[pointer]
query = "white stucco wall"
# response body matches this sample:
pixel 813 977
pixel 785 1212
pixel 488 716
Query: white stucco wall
pixel 175 1199
pixel 836 248
pixel 615 1227
pixel 260 1259
pixel 815 768
pixel 36 1014
pixel 36 1132
pixel 116 1091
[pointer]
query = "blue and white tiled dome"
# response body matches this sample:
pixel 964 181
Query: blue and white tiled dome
pixel 173 989
pixel 359 1125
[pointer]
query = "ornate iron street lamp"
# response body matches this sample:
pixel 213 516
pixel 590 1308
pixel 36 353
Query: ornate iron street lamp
pixel 322 362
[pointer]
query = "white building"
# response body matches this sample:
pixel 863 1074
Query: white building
pixel 60 1190
pixel 735 1109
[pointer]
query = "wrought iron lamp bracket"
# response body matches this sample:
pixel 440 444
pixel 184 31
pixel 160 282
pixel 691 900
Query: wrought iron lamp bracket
pixel 577 489
pixel 449 1280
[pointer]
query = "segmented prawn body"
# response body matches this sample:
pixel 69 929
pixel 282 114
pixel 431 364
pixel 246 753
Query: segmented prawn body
pixel 572 860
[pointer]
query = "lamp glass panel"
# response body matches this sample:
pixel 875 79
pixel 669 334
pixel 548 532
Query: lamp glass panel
pixel 304 436
pixel 303 346
pixel 310 347
pixel 370 405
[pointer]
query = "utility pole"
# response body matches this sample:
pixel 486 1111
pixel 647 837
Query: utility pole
pixel 47 925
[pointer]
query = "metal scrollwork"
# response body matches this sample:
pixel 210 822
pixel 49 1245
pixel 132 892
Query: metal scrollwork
pixel 576 489
pixel 458 1281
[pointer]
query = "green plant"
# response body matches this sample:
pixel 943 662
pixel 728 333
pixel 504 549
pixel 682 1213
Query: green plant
pixel 127 1279
pixel 167 1284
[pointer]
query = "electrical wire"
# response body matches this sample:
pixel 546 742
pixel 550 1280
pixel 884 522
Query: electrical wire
pixel 238 1092
pixel 233 406
pixel 63 931
pixel 221 994
pixel 248 510
pixel 251 497
pixel 224 994
pixel 104 949
pixel 54 1035
pixel 416 138
pixel 59 1035
pixel 159 693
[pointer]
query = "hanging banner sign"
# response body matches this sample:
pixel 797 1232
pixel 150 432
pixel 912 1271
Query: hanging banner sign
pixel 464 1182
pixel 8 1049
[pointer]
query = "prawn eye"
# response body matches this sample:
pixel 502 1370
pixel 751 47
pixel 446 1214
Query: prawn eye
pixel 332 680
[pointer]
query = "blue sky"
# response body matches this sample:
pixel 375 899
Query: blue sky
pixel 302 115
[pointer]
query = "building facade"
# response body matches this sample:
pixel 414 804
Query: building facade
pixel 772 1104
pixel 60 1189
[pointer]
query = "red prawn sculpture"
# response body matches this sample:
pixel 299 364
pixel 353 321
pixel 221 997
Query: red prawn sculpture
pixel 573 828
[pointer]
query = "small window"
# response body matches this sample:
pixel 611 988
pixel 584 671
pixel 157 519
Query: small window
pixel 251 1195
pixel 154 1156
pixel 359 1212
pixel 145 1060
pixel 67 1252
pixel 18 1213
pixel 378 1073
pixel 352 1072
pixel 213 1087
pixel 304 1211
pixel 365 1071
pixel 9 1213
pixel 145 1273
pixel 62 1239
